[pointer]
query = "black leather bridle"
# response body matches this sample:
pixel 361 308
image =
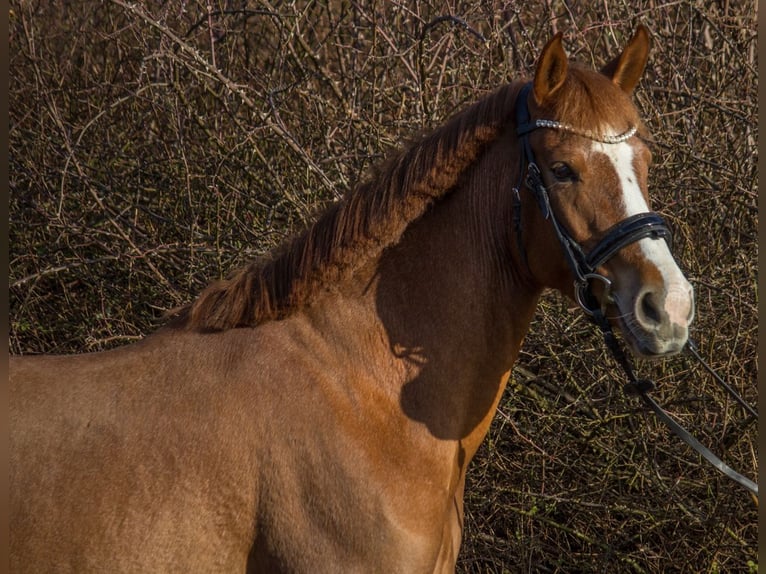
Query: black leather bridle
pixel 585 266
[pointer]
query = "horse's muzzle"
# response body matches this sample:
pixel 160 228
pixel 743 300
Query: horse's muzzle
pixel 658 323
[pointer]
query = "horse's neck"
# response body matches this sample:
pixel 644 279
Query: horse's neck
pixel 450 319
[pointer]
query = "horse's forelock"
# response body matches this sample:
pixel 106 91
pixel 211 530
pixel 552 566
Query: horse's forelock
pixel 589 101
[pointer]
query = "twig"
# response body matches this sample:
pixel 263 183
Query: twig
pixel 233 88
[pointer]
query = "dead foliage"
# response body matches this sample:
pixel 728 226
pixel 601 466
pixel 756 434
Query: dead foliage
pixel 154 147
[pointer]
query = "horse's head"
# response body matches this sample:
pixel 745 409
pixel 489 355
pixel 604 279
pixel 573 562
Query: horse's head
pixel 583 132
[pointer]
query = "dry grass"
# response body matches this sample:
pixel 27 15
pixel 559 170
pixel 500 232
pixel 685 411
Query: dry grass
pixel 154 149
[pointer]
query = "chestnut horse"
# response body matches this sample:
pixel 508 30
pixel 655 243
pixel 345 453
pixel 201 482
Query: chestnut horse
pixel 317 412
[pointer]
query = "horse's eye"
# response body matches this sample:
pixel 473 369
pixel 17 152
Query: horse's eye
pixel 562 172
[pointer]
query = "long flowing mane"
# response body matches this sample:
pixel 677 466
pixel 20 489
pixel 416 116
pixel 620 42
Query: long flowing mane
pixel 350 232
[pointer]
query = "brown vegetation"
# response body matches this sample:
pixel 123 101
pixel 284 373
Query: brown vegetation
pixel 154 149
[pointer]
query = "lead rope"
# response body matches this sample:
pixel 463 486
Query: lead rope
pixel 641 387
pixel 694 351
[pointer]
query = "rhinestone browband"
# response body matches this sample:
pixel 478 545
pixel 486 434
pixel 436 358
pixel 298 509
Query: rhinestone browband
pixel 586 133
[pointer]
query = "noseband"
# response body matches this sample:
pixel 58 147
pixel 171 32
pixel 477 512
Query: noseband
pixel 583 265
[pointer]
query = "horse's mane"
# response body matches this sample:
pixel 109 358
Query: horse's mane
pixel 355 229
pixel 374 215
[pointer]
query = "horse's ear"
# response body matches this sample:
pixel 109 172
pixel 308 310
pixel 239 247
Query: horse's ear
pixel 626 69
pixel 551 69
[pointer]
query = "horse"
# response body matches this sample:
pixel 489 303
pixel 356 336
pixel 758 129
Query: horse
pixel 317 411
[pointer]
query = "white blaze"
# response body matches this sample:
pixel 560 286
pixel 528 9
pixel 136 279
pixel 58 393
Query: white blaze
pixel 678 291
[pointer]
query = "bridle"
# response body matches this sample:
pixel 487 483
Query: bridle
pixel 584 267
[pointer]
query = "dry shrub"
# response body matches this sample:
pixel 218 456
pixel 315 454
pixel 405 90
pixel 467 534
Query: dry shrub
pixel 155 147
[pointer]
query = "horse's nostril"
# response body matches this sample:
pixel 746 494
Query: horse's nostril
pixel 649 311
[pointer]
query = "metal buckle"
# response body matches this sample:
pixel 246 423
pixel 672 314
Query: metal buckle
pixel 582 293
